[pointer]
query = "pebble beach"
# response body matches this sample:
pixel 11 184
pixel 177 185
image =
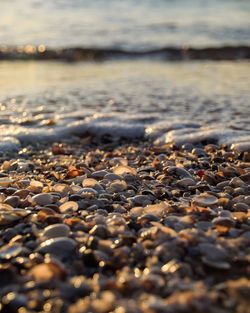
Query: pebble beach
pixel 124 156
pixel 117 226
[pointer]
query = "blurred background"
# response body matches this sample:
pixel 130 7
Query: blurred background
pixel 129 24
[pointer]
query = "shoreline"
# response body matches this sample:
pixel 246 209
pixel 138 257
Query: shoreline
pixel 125 227
pixel 100 54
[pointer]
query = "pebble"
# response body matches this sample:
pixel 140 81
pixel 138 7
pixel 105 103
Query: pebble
pixel 22 193
pixel 42 199
pixel 199 152
pixel 62 189
pixel 14 201
pixel 99 174
pixel 69 206
pixel 124 169
pixel 236 182
pixel 47 271
pixel 117 186
pixel 60 247
pixel 212 252
pixel 86 192
pixel 5 207
pixel 205 200
pixel 220 265
pixel 140 200
pixel 179 171
pixel 10 251
pixel 56 230
pixel 99 231
pixel 5 182
pixel 186 182
pixel 112 176
pixel 35 186
pixel 223 224
pixel 92 183
pixel 243 207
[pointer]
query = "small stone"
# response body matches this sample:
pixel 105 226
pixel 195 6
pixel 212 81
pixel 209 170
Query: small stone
pixel 186 182
pixel 5 182
pixel 62 189
pixel 47 271
pixel 14 201
pixel 92 183
pixel 112 176
pixel 148 218
pixel 88 192
pixel 179 171
pixel 140 200
pixel 56 230
pixel 99 174
pixel 117 186
pixel 220 265
pixel 36 186
pixel 22 193
pixel 205 200
pixel 7 219
pixel 223 224
pixel 240 216
pixel 99 231
pixel 5 207
pixel 199 152
pixel 124 169
pixel 236 182
pixel 240 206
pixel 42 199
pixel 213 252
pixel 60 247
pixel 10 251
pixel 69 206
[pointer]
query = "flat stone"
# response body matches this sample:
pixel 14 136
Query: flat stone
pixel 186 182
pixel 42 199
pixel 140 200
pixel 56 230
pixel 10 251
pixel 12 200
pixel 220 265
pixel 205 200
pixel 112 176
pixel 69 206
pixel 118 186
pixel 60 247
pixel 5 182
pixel 99 174
pixel 124 169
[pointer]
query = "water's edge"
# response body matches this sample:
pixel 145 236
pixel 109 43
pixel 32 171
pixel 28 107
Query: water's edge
pixel 113 127
pixel 74 54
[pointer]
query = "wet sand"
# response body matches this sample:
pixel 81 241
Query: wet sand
pixel 117 226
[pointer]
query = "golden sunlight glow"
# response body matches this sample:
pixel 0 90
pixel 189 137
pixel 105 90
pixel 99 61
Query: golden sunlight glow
pixel 41 48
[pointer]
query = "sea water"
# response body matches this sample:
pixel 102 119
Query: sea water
pixel 129 24
pixel 198 101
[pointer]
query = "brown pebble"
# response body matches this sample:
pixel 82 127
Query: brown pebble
pixel 223 224
pixel 69 206
pixel 47 271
